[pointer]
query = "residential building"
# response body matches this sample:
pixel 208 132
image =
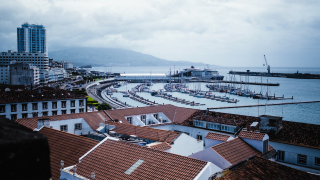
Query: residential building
pixel 234 151
pixel 23 74
pixel 67 65
pixel 260 168
pixel 213 139
pixel 114 159
pixel 298 144
pixel 149 115
pixel 65 146
pixel 36 59
pixel 180 143
pixel 78 123
pixel 31 38
pixel 5 75
pixel 57 74
pixel 37 103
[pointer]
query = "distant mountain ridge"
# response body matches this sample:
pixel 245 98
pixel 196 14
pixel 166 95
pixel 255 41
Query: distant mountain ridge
pixel 81 56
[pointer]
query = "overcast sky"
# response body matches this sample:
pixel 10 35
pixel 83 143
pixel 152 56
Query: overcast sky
pixel 219 32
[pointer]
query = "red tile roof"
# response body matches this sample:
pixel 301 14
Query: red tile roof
pixel 174 113
pixel 112 159
pixel 235 150
pixel 33 96
pixel 67 147
pixel 145 132
pixel 262 169
pixel 216 136
pixel 252 135
pixel 92 118
pixel 300 134
pixel 161 147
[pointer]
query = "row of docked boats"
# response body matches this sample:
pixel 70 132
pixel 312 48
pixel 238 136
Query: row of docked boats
pixel 176 99
pixel 211 96
pixel 140 99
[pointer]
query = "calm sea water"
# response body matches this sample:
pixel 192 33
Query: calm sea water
pixel 300 89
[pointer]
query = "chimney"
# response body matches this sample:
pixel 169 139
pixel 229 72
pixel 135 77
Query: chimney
pixel 43 122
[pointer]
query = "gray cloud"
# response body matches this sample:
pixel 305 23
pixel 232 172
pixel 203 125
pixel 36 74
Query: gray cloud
pixel 221 32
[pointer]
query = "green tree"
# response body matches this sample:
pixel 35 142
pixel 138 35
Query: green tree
pixel 104 106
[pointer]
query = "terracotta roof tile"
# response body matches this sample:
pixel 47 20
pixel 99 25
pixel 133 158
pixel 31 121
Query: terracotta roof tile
pixel 161 146
pixel 301 134
pixel 174 113
pixel 216 136
pixel 112 158
pixel 252 135
pixel 33 96
pixel 263 169
pixel 67 147
pixel 145 132
pixel 235 150
pixel 92 118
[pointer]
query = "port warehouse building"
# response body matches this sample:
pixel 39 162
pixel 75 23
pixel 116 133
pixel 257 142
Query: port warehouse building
pixel 296 144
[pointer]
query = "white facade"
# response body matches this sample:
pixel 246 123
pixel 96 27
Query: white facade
pixel 5 75
pixel 211 156
pixel 185 145
pixel 196 133
pixel 23 74
pixel 57 74
pixel 147 119
pixel 42 108
pixel 257 143
pixel 213 142
pixel 67 65
pixel 297 155
pixel 74 126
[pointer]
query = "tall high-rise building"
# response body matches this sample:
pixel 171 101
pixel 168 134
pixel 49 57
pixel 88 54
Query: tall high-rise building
pixel 31 38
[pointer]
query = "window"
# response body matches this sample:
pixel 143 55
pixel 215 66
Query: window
pixel 81 110
pixel 272 122
pixel 197 123
pixel 45 113
pixel 317 161
pixel 54 112
pixel 63 104
pixel 64 128
pixel 13 107
pixel 63 111
pixel 280 155
pixel 24 107
pixel 143 119
pixel 24 115
pixel 35 114
pixel 73 103
pixel 54 105
pixel 13 117
pixel 129 119
pixel 199 137
pixel 155 116
pixel 34 106
pixel 81 103
pixel 2 108
pixel 302 159
pixel 44 105
pixel 73 111
pixel 78 126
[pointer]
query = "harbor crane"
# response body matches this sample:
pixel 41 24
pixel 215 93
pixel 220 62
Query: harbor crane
pixel 268 66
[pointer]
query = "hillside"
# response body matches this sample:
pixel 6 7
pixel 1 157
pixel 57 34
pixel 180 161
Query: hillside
pixel 112 57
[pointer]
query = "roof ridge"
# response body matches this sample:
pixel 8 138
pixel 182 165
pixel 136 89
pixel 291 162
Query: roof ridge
pixel 62 132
